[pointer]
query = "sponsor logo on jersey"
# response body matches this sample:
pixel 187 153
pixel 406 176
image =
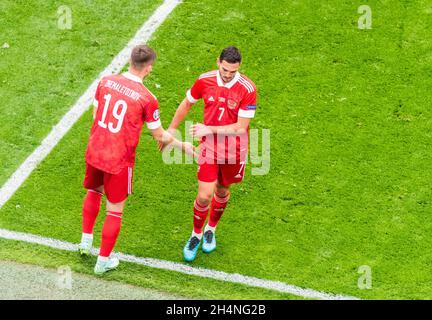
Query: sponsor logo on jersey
pixel 232 104
pixel 211 99
pixel 221 99
pixel 156 114
pixel 251 107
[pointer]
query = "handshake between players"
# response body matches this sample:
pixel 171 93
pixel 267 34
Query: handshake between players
pixel 123 104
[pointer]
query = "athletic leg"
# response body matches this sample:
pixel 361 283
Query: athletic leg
pixel 117 188
pixel 91 206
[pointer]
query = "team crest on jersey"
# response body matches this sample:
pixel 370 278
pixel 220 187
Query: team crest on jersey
pixel 232 104
pixel 156 114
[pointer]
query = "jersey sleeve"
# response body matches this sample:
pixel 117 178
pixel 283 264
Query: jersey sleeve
pixel 152 115
pixel 195 93
pixel 248 105
pixel 96 96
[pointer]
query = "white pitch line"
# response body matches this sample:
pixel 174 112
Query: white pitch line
pixel 83 103
pixel 182 268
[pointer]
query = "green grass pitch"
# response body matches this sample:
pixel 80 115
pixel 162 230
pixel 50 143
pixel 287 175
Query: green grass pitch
pixel 349 115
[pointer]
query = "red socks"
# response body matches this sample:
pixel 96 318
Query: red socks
pixel 91 209
pixel 200 216
pixel 111 227
pixel 217 209
pixel 110 232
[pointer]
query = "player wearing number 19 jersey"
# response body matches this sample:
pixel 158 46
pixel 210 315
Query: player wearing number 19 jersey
pixel 229 105
pixel 122 105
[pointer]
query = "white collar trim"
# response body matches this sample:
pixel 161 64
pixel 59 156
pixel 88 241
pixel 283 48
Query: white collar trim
pixel 132 77
pixel 229 84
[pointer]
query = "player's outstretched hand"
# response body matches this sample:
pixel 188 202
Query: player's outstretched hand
pixel 190 149
pixel 199 130
pixel 162 145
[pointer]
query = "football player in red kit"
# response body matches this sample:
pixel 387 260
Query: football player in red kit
pixel 229 104
pixel 121 106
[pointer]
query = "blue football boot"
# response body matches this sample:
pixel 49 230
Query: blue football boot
pixel 191 248
pixel 209 243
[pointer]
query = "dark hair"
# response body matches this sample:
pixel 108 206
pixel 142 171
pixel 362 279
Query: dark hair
pixel 141 56
pixel 231 55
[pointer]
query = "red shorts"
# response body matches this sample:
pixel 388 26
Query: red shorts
pixel 226 174
pixel 117 187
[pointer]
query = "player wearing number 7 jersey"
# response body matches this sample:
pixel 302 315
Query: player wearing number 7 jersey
pixel 121 106
pixel 229 104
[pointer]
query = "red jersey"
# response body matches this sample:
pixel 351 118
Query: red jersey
pixel 223 105
pixel 123 105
